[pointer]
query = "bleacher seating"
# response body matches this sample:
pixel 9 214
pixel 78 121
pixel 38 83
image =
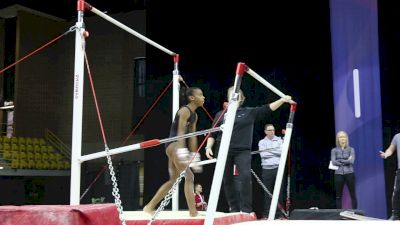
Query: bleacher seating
pixel 28 141
pixel 31 153
pixel 21 140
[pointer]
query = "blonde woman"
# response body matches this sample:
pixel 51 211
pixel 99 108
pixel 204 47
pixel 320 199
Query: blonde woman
pixel 343 156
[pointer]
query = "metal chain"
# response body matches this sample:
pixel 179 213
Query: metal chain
pixel 115 191
pixel 71 29
pixel 267 191
pixel 167 197
pixel 288 203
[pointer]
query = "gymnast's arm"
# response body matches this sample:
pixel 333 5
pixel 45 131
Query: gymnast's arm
pixel 184 115
pixel 193 140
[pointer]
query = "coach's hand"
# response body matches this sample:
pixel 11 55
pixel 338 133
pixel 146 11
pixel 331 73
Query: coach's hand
pixel 209 153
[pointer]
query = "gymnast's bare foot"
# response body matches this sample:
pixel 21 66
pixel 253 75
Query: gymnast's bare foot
pixel 147 209
pixel 193 213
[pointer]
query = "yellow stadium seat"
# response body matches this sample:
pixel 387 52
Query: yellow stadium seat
pixel 29 148
pixel 45 156
pixel 22 147
pixel 14 147
pixel 6 151
pixel 23 164
pixel 30 155
pixel 6 146
pixel 35 141
pixel 67 165
pixel 50 149
pixel 45 165
pixel 53 165
pixel 31 164
pixel 43 149
pixel 58 156
pixel 52 157
pixel 36 149
pixel 14 140
pixel 7 154
pixel 14 155
pixel 42 142
pixel 38 164
pixel 28 141
pixel 60 165
pixel 21 140
pixel 6 139
pixel 22 156
pixel 14 164
pixel 38 156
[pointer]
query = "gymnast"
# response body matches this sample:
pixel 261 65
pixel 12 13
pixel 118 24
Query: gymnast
pixel 177 152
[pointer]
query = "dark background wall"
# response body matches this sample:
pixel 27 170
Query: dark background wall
pixel 46 78
pixel 43 94
pixel 389 46
pixel 287 42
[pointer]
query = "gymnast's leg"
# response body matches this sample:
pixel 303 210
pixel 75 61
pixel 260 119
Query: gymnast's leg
pixel 173 175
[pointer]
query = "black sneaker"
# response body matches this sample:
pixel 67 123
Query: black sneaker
pixel 394 217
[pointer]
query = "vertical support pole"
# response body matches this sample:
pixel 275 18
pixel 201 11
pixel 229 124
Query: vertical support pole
pixel 77 107
pixel 175 108
pixel 282 163
pixel 223 150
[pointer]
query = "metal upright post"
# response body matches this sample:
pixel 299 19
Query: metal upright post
pixel 282 163
pixel 223 150
pixel 175 108
pixel 77 107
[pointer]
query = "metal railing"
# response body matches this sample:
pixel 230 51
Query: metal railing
pixel 57 143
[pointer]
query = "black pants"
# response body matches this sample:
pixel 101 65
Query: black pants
pixel 238 190
pixel 340 181
pixel 268 179
pixel 396 193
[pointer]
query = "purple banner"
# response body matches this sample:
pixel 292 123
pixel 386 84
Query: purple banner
pixel 357 96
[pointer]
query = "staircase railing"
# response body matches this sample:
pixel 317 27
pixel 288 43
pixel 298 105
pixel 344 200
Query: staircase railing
pixel 57 143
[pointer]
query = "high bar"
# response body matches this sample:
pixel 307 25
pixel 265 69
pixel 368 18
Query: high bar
pixel 129 30
pixel 267 84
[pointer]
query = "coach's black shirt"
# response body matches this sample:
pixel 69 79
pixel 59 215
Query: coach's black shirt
pixel 242 133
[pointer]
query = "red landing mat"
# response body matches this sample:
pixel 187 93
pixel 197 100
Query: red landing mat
pixel 105 214
pixel 96 214
pixel 183 218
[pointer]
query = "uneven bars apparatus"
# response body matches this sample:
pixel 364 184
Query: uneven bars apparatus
pixel 77 107
pixel 282 163
pixel 80 35
pixel 146 144
pixel 226 137
pixel 224 146
pixel 285 145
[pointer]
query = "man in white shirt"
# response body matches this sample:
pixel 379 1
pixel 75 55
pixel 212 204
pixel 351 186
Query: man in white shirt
pixel 270 157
